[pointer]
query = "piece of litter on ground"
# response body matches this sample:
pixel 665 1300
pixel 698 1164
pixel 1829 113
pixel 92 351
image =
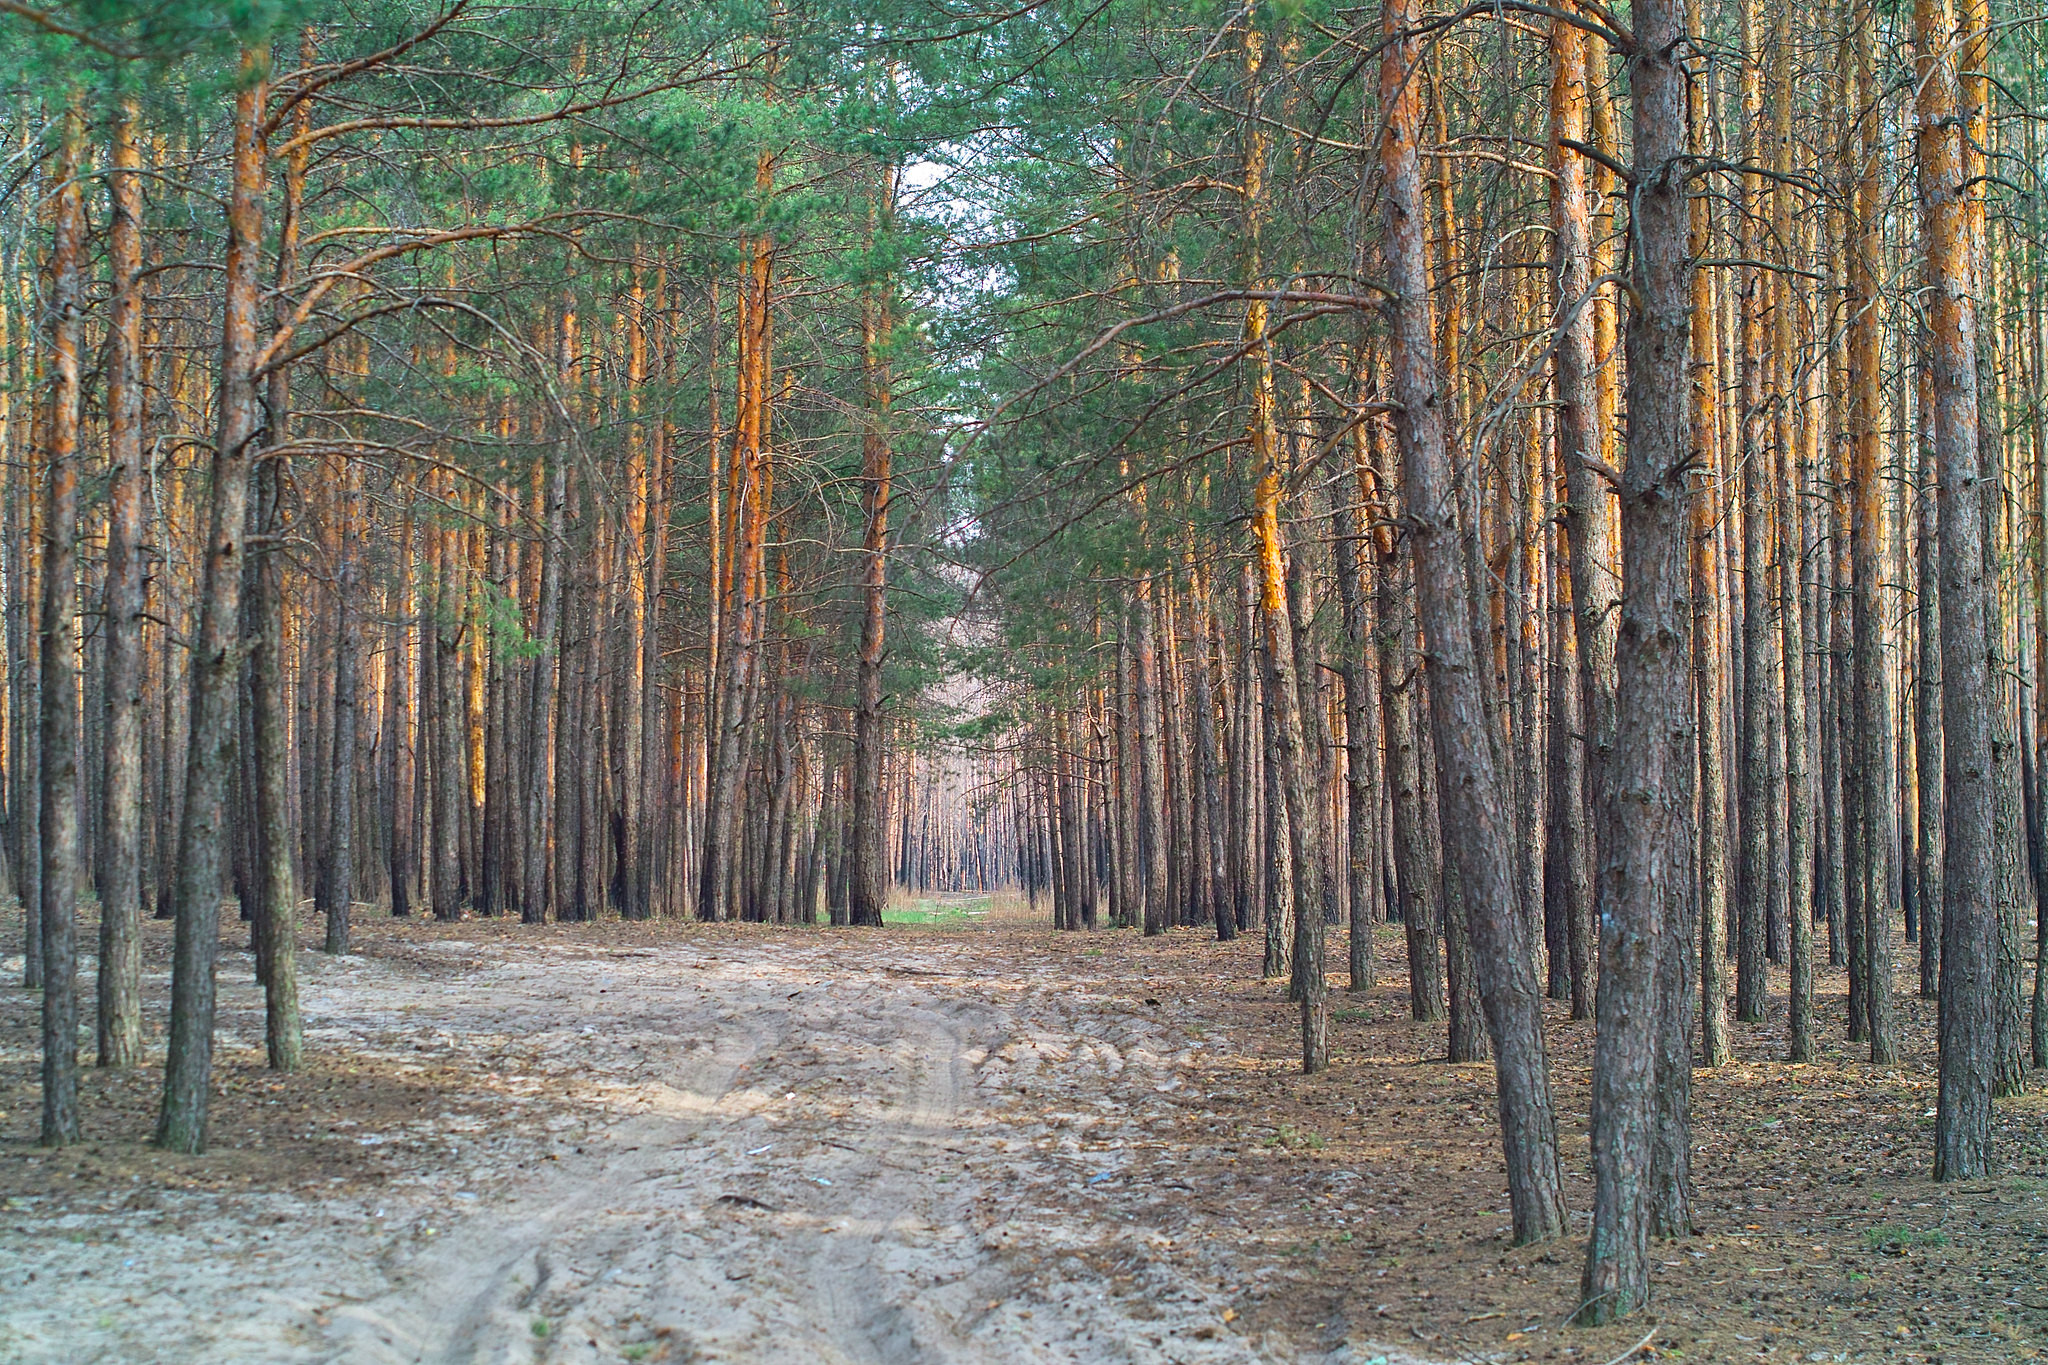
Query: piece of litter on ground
pixel 819 1180
pixel 758 1150
pixel 1100 1176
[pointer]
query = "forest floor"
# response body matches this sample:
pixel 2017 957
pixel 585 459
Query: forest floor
pixel 965 1140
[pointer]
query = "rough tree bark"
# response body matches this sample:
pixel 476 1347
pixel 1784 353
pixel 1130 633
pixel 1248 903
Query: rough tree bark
pixel 1588 519
pixel 869 890
pixel 1868 764
pixel 58 784
pixel 120 970
pixel 1969 917
pixel 1466 742
pixel 216 662
pixel 1710 662
pixel 1645 867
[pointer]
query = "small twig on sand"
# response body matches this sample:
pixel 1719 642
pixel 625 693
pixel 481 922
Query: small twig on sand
pixel 1633 1349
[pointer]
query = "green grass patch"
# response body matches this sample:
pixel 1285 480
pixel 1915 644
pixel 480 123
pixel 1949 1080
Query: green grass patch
pixel 966 911
pixel 1895 1239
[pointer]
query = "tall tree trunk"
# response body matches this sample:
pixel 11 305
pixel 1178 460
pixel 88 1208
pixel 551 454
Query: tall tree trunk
pixel 449 772
pixel 869 889
pixel 1465 1039
pixel 1568 852
pixel 1210 855
pixel 1293 776
pixel 1645 865
pixel 1418 876
pixel 1928 740
pixel 1752 980
pixel 339 889
pixel 630 710
pixel 58 783
pixel 216 663
pixel 1871 760
pixel 1969 915
pixel 544 685
pixel 2038 752
pixel 1589 515
pixel 1247 746
pixel 1791 474
pixel 276 895
pixel 24 619
pixel 1151 832
pixel 752 493
pixel 120 969
pixel 1466 741
pixel 1588 519
pixel 402 853
pixel 1709 661
pixel 661 809
pixel 1361 722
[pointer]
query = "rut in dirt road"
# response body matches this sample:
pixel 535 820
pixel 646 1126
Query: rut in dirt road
pixel 870 1152
pixel 799 1187
pixel 732 1219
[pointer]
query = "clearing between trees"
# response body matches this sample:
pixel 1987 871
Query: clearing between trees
pixel 977 1141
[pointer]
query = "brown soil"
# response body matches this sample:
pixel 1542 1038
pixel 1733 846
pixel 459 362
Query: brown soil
pixel 677 1142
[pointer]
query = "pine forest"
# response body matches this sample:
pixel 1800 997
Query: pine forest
pixel 872 681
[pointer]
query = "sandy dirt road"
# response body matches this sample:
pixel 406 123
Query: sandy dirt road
pixel 705 1148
